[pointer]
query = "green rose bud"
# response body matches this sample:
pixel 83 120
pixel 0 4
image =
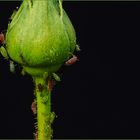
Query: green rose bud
pixel 40 37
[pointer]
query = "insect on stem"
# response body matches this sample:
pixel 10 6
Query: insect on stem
pixel 72 60
pixel 2 39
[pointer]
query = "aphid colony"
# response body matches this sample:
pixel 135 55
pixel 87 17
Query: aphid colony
pixel 51 80
pixel 4 53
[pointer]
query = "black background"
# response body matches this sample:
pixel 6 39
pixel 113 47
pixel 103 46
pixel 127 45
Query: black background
pixel 98 96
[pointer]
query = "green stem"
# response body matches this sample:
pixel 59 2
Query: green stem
pixel 43 100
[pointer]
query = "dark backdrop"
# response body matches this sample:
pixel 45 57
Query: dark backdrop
pixel 98 96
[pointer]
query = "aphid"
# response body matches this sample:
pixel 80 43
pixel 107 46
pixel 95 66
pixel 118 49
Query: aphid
pixel 40 87
pixel 30 3
pixel 45 75
pixel 48 130
pixel 56 77
pixel 22 59
pixel 4 53
pixel 23 72
pixel 71 60
pixel 12 66
pixel 13 14
pixel 33 107
pixel 49 118
pixel 78 48
pixel 52 117
pixel 44 99
pixel 2 38
pixel 51 84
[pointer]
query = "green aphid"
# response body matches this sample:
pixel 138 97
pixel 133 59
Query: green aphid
pixel 44 99
pixel 78 48
pixel 14 13
pixel 4 53
pixel 52 117
pixel 12 67
pixel 56 77
pixel 23 72
pixel 30 3
pixel 45 75
pixel 49 131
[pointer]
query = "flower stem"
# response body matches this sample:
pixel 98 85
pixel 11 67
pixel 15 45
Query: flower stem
pixel 44 114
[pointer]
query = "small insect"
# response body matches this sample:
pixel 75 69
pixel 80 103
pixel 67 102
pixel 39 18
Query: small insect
pixel 44 99
pixel 45 75
pixel 4 53
pixel 49 118
pixel 23 72
pixel 52 117
pixel 33 107
pixel 40 87
pixel 12 66
pixel 51 84
pixel 22 59
pixel 48 130
pixel 30 3
pixel 71 60
pixel 78 48
pixel 56 77
pixel 13 14
pixel 2 38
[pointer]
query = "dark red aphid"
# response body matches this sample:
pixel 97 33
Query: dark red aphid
pixel 71 60
pixel 51 84
pixel 33 107
pixel 1 38
pixel 40 87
